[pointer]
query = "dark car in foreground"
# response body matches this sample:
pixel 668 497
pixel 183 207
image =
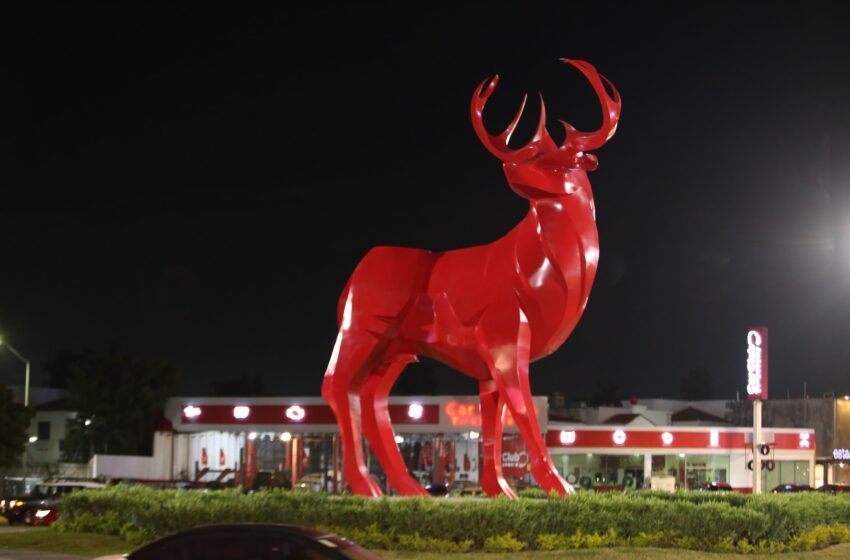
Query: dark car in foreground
pixel 791 488
pixel 249 541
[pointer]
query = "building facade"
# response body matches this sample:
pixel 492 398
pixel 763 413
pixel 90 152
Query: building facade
pixel 292 442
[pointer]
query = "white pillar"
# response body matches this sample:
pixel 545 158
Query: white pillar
pixel 647 469
pixel 757 441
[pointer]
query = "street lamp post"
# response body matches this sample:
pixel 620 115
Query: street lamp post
pixel 27 376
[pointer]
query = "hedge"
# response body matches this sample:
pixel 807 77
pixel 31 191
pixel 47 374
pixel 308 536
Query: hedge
pixel 693 520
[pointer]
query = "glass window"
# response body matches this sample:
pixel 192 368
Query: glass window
pixel 601 472
pixel 44 431
pixel 705 468
pixel 784 472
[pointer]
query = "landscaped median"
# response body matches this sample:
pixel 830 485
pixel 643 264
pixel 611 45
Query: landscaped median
pixel 698 521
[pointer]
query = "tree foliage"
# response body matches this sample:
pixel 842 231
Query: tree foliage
pixel 117 397
pixel 15 421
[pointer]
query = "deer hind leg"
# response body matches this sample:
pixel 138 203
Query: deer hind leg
pixel 356 353
pixel 492 480
pixel 378 428
pixel 504 339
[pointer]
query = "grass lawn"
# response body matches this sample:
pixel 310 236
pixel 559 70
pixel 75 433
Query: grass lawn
pixel 841 551
pixel 48 540
pixel 90 545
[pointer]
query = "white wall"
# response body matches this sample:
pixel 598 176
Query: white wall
pixel 155 467
pixel 47 451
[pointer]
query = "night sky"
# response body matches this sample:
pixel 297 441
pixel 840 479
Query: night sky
pixel 197 184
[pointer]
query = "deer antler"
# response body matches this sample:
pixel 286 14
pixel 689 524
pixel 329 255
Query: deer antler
pixel 575 142
pixel 498 144
pixel 583 141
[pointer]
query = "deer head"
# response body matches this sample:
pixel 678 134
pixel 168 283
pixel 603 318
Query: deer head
pixel 542 168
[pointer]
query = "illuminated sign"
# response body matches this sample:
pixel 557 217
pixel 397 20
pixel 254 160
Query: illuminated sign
pixel 714 438
pixel 619 437
pixel 241 412
pixel 514 460
pixel 757 363
pixel 568 437
pixel 461 414
pixel 415 411
pixel 295 413
pixel 804 440
pixel 841 454
pixel 189 412
pixel 667 438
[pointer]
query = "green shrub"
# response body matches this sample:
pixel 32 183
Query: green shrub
pixel 503 543
pixel 533 494
pixel 418 543
pixel 695 520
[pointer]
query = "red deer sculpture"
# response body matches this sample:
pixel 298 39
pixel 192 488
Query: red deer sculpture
pixel 486 311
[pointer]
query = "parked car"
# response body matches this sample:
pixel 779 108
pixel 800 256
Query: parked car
pixel 437 489
pixel 834 488
pixel 22 509
pixel 247 541
pixel 791 488
pixel 714 486
pixel 465 488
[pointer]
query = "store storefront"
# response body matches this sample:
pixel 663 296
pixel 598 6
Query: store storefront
pixel 292 442
pixel 616 458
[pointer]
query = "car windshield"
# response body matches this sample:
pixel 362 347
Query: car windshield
pixel 43 491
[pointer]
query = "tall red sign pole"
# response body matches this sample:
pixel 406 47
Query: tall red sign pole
pixel 756 392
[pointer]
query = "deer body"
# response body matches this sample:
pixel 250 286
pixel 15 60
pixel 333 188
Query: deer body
pixel 487 311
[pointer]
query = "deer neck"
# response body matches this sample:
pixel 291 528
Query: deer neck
pixel 556 252
pixel 566 226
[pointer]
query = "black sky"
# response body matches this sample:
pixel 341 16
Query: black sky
pixel 196 183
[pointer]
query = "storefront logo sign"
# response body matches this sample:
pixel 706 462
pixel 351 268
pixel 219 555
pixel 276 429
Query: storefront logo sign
pixel 415 411
pixel 461 414
pixel 804 440
pixel 841 454
pixel 714 438
pixel 757 364
pixel 241 412
pixel 568 437
pixel 468 414
pixel 295 413
pixel 514 460
pixel 191 411
pixel 619 437
pixel 667 438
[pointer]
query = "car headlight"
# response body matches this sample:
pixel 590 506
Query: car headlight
pixel 42 513
pixel 18 503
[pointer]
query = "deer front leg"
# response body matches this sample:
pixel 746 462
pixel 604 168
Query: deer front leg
pixel 492 480
pixel 378 428
pixel 504 339
pixel 354 356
